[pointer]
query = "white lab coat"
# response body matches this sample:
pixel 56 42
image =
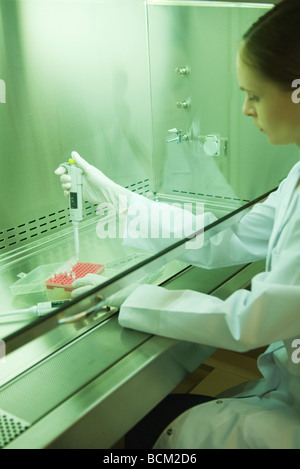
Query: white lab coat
pixel 268 314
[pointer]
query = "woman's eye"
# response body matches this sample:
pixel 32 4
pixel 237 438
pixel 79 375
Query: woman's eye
pixel 253 98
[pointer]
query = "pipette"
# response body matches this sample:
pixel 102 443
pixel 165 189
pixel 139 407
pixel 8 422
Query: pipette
pixel 41 309
pixel 75 199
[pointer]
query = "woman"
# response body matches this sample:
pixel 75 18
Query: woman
pixel 268 415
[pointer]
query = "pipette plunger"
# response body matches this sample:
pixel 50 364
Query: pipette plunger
pixel 75 199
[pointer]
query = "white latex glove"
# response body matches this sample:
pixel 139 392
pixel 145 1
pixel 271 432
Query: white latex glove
pixel 84 284
pixel 97 188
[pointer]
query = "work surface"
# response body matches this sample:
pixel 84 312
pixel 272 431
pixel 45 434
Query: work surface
pixel 84 384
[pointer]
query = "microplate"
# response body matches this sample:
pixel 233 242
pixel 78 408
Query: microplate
pixel 65 279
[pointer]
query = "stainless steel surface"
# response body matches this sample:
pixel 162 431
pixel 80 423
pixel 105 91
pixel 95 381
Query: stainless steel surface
pixel 66 372
pixel 76 359
pixel 76 77
pixel 99 414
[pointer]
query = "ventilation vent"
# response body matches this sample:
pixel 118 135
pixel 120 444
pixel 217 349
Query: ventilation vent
pixel 37 228
pixel 224 198
pixel 141 187
pixel 10 428
pixel 45 225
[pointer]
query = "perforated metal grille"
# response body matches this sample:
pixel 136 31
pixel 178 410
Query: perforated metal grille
pixel 10 428
pixel 42 388
pixel 37 228
pixel 223 198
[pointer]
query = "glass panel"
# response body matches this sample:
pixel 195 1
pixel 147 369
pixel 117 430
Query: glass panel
pixel 62 325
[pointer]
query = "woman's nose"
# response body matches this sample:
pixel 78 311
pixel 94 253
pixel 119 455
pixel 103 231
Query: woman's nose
pixel 248 108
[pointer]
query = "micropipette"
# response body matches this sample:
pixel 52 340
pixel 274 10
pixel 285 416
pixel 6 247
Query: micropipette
pixel 75 199
pixel 40 309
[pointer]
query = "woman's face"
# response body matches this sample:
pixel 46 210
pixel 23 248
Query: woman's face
pixel 272 109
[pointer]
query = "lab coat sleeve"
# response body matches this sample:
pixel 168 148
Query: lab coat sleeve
pixel 246 320
pixel 246 240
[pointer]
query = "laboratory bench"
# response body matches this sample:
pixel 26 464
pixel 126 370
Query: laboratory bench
pixel 84 384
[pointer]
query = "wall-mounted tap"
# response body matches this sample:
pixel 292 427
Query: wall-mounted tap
pixel 180 137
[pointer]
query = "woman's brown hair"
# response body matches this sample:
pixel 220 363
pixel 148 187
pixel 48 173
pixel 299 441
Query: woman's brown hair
pixel 272 44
